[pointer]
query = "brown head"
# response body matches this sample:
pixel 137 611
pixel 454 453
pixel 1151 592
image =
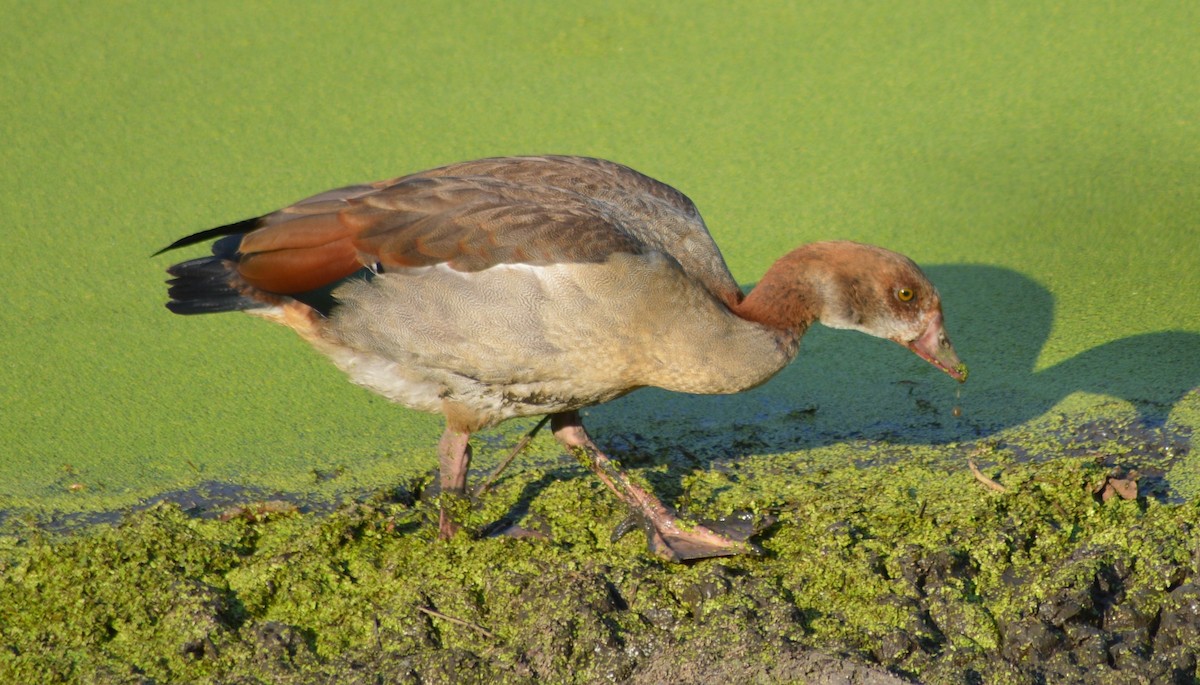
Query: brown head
pixel 850 285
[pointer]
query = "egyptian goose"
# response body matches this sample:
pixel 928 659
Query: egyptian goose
pixel 525 286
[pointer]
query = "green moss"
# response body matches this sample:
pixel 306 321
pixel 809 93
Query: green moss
pixel 908 562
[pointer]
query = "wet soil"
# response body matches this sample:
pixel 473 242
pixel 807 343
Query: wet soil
pixel 910 569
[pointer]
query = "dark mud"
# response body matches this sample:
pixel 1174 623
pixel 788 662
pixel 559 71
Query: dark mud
pixel 905 570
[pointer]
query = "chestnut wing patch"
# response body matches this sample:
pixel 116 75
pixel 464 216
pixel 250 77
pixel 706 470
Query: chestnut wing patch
pixel 472 224
pixel 468 223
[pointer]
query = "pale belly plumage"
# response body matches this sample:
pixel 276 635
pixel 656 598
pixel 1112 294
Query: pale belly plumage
pixel 519 340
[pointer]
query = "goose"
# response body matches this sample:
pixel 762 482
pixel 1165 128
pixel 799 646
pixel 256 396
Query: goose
pixel 538 286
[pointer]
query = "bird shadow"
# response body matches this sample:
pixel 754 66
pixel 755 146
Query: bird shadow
pixel 1150 371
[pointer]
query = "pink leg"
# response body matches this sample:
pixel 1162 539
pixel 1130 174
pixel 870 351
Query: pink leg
pixel 665 535
pixel 454 458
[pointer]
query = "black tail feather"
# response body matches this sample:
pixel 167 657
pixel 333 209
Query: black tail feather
pixel 206 286
pixel 210 284
pixel 239 227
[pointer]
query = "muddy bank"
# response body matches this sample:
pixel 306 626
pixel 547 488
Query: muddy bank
pixel 1067 567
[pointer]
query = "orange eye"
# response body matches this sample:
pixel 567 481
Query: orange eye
pixel 904 294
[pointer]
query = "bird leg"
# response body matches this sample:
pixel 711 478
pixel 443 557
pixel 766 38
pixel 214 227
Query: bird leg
pixel 666 536
pixel 454 458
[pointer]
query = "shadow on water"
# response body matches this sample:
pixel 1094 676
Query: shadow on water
pixel 845 385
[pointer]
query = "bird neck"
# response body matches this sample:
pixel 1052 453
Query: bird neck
pixel 790 296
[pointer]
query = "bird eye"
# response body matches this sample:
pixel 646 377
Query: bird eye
pixel 904 294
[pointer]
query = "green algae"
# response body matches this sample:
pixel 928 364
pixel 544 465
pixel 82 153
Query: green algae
pixel 910 564
pixel 1035 159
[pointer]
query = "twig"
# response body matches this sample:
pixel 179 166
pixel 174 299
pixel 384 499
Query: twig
pixel 457 621
pixel 991 484
pixel 486 485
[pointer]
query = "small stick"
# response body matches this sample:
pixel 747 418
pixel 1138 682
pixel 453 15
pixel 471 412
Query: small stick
pixel 486 485
pixel 457 621
pixel 991 484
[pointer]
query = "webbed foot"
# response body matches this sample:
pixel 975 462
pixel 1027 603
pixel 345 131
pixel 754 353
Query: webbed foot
pixel 674 541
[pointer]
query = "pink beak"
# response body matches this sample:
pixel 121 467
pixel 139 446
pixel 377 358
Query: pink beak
pixel 934 347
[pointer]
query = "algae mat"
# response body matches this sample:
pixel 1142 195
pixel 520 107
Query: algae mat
pixel 1038 159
